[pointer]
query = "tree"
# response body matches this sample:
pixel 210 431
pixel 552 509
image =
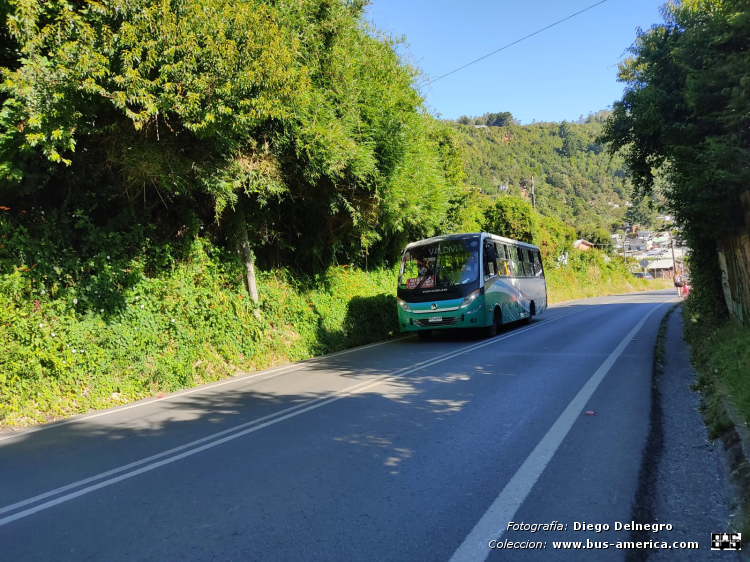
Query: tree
pixel 502 119
pixel 597 235
pixel 573 143
pixel 512 217
pixel 685 115
pixel 510 155
pixel 555 238
pixel 643 212
pixel 296 122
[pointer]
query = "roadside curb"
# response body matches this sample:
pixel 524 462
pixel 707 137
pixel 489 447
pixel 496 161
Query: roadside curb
pixel 736 441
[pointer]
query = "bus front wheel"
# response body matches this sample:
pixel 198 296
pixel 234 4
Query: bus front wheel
pixel 425 335
pixel 497 319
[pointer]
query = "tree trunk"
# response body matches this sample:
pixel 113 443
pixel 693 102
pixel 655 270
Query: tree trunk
pixel 246 252
pixel 247 256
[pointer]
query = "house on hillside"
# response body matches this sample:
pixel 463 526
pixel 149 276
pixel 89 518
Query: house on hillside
pixel 583 245
pixel 664 269
pixel 635 245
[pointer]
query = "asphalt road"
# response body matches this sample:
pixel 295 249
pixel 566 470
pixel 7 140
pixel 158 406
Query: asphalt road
pixel 406 450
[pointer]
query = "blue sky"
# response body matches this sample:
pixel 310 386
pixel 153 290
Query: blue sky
pixel 562 73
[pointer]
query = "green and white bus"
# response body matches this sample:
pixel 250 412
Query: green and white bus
pixel 469 281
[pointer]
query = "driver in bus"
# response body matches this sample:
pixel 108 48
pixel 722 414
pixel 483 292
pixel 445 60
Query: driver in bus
pixel 469 270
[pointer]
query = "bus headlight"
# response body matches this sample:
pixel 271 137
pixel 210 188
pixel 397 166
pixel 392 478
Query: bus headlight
pixel 470 298
pixel 404 305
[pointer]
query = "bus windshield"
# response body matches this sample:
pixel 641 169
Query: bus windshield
pixel 444 264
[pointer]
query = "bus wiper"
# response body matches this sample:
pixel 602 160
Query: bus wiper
pixel 427 274
pixel 448 279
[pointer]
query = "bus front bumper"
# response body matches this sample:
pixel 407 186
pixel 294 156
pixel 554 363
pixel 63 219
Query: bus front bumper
pixel 467 317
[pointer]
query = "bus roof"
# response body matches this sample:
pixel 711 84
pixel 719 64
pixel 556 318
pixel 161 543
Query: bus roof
pixel 464 235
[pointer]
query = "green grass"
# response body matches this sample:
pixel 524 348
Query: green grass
pixel 571 284
pixel 721 355
pixel 92 346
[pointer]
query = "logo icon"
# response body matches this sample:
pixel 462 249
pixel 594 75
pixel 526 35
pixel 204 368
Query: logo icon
pixel 434 306
pixel 726 541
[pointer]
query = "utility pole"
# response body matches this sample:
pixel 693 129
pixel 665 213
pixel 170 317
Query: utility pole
pixel 674 263
pixel 533 195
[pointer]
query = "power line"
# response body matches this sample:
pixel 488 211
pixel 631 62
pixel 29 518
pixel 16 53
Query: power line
pixel 514 42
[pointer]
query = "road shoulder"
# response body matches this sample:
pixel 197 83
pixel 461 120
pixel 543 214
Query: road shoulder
pixel 689 461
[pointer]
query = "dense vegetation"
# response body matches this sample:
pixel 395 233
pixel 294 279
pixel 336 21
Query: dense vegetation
pixel 580 273
pixel 191 187
pixel 111 328
pixel 293 121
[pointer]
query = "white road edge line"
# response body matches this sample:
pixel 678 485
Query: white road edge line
pixel 258 424
pixel 475 547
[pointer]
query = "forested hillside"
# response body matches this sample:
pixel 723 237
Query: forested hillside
pixel 575 179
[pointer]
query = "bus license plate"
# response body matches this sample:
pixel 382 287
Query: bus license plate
pixel 435 319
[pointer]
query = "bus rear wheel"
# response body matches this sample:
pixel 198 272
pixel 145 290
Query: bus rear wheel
pixel 425 335
pixel 532 312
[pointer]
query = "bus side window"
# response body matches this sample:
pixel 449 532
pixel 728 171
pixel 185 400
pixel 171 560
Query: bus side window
pixel 488 254
pixel 515 253
pixel 512 261
pixel 520 272
pixel 503 268
pixel 538 271
pixel 527 263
